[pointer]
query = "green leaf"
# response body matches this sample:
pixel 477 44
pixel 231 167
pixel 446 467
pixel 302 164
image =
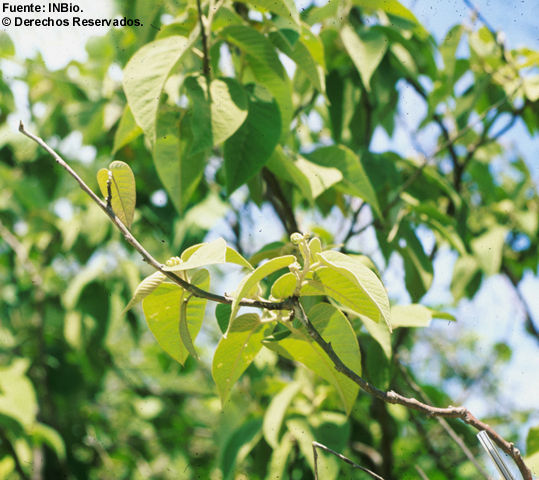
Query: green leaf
pixel 266 67
pixel 415 315
pixel 310 178
pixel 366 49
pixel 275 413
pixel 215 118
pixel 301 55
pixel 248 150
pixel 393 7
pixel 145 74
pixel 354 285
pixel 466 274
pixel 222 314
pixel 17 395
pixel 279 458
pixel 375 362
pixel 123 190
pixel 417 265
pixel 488 249
pixel 179 171
pixel 240 443
pixel 380 332
pixel 284 286
pixel 162 311
pixel 283 8
pixel 7 49
pixel 354 179
pixel 200 255
pixel 532 441
pixel 147 286
pixel 127 130
pixel 335 329
pixel 231 256
pixel 250 282
pixel 236 351
pixel 42 433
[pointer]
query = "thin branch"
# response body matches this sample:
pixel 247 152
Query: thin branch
pixel 146 256
pixel 443 422
pixel 205 50
pixel 341 457
pixel 421 473
pixel 280 203
pixel 395 398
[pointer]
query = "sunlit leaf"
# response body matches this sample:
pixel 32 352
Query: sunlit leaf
pixel 336 330
pixel 250 282
pixel 127 130
pixel 236 351
pixel 147 286
pixel 122 189
pixel 284 286
pixel 145 74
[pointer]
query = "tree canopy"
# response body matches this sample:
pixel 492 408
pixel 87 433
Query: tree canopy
pixel 212 300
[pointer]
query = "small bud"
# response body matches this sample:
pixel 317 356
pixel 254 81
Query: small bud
pixel 296 238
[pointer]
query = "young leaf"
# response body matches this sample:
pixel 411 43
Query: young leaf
pixel 231 256
pixel 145 74
pixel 335 329
pixel 248 150
pixel 366 49
pixel 147 286
pixel 201 255
pixel 249 283
pixel 162 311
pixel 354 285
pixel 122 188
pixel 236 351
pixel 284 286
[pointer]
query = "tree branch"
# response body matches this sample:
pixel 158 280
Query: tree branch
pixel 206 54
pixel 280 203
pixel 395 398
pixel 341 457
pixel 146 256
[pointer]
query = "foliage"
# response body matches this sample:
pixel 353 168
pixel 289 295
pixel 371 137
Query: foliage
pixel 218 126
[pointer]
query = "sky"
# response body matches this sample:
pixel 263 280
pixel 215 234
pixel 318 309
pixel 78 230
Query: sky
pixel 494 314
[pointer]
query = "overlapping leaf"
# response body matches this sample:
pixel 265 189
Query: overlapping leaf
pixel 122 189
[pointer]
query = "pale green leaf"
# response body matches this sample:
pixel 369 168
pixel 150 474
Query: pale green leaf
pixel 532 461
pixel 488 249
pixel 17 395
pixel 354 178
pixel 217 117
pixel 336 330
pixel 236 351
pixel 393 7
pixel 248 150
pixel 355 285
pixel 145 74
pixel 284 286
pixel 250 282
pixel 366 49
pixel 147 286
pixel 465 271
pixel 283 8
pixel 127 130
pixel 310 178
pixel 162 311
pixel 123 190
pixel 231 256
pixel 410 316
pixel 279 458
pixel 275 413
pixel 200 255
